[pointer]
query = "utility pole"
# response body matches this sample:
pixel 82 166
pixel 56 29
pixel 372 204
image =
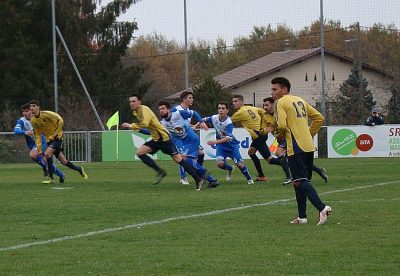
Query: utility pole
pixel 359 69
pixel 323 90
pixel 53 26
pixel 186 49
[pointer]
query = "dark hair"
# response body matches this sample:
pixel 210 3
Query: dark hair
pixel 35 102
pixel 136 95
pixel 240 97
pixel 283 82
pixel 167 104
pixel 269 99
pixel 25 106
pixel 184 95
pixel 224 103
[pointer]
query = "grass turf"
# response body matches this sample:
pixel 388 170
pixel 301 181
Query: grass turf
pixel 171 229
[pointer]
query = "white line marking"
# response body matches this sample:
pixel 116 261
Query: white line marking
pixel 139 225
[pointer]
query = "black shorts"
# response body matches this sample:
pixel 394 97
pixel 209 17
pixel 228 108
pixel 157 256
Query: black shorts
pixel 167 147
pixel 300 165
pixel 260 143
pixel 56 145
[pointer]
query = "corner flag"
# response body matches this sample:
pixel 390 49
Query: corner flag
pixel 113 121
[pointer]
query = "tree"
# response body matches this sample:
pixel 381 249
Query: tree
pixel 393 108
pixel 354 101
pixel 207 95
pixel 94 37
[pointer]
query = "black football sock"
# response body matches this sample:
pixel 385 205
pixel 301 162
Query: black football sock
pixel 257 164
pixel 149 162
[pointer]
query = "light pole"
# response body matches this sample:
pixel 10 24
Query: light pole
pixel 186 49
pixel 323 92
pixel 53 25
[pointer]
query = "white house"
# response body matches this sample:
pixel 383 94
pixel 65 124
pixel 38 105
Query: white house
pixel 303 69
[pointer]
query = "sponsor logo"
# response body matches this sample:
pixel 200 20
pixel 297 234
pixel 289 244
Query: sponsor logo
pixel 346 142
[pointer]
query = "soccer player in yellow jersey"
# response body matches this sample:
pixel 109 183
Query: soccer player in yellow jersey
pixel 144 118
pixel 250 118
pixel 292 115
pixel 50 124
pixel 269 127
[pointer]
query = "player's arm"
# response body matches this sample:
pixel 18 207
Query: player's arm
pixel 59 126
pixel 37 136
pixel 280 117
pixel 316 119
pixel 18 128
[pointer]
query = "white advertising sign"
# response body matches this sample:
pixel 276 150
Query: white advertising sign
pixel 363 141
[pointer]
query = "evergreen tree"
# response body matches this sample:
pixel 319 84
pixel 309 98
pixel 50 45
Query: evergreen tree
pixel 355 100
pixel 393 116
pixel 207 95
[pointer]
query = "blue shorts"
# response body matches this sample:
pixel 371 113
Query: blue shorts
pixel 167 147
pixel 222 153
pixel 300 165
pixel 188 146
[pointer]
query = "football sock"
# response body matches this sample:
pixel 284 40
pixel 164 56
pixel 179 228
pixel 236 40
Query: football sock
pixel 190 170
pixel 72 166
pixel 309 192
pixel 200 170
pixel 257 164
pixel 57 171
pixel 40 161
pixel 285 167
pixel 50 166
pixel 227 167
pixel 316 169
pixel 200 159
pixel 182 172
pixel 301 200
pixel 149 162
pixel 245 172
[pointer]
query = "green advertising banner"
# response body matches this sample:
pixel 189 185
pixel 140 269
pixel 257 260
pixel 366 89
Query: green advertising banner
pixel 128 142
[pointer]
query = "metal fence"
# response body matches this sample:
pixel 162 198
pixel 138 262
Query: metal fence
pixel 84 146
pixel 79 146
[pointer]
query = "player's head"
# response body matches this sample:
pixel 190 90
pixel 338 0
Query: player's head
pixel 268 105
pixel 280 86
pixel 237 101
pixel 223 108
pixel 164 108
pixel 186 98
pixel 26 111
pixel 135 101
pixel 35 107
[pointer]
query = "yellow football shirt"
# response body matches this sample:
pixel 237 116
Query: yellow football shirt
pixel 250 118
pixel 292 115
pixel 145 118
pixel 49 124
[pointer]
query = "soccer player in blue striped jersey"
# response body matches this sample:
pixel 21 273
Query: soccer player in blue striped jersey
pixel 24 127
pixel 292 115
pixel 185 139
pixel 226 143
pixel 187 100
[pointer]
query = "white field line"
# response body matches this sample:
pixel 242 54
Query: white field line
pixel 139 225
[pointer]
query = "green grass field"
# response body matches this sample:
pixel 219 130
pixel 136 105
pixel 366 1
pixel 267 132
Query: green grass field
pixel 117 223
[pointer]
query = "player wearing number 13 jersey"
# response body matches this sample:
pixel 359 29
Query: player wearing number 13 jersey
pixel 292 115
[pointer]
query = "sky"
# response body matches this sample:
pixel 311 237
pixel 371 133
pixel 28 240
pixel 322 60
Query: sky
pixel 229 19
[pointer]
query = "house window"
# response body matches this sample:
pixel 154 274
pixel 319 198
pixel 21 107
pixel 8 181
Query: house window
pixel 306 77
pixel 333 76
pixel 315 77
